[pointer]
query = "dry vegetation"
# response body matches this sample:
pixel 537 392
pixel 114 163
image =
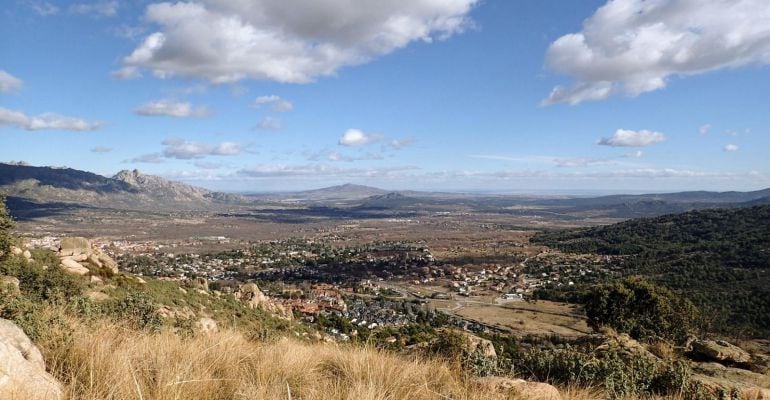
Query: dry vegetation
pixel 110 362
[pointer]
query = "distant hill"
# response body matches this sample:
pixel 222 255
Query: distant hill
pixel 30 187
pixel 645 205
pixel 332 194
pixel 720 258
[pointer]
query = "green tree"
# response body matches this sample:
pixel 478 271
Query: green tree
pixel 641 309
pixel 6 224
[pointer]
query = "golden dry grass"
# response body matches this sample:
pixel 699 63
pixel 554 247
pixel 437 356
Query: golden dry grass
pixel 108 362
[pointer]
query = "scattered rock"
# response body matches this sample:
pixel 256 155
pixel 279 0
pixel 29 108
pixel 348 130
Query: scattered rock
pixel 755 394
pixel 521 388
pixel 207 325
pixel 80 250
pixel 719 351
pixel 97 296
pixel 254 298
pixel 9 283
pixel 73 267
pixel 27 255
pixel 611 342
pixel 96 280
pixel 73 246
pixel 719 378
pixel 16 251
pixel 196 283
pixel 484 346
pixel 22 369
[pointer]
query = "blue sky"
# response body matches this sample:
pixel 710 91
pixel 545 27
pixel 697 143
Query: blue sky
pixel 509 96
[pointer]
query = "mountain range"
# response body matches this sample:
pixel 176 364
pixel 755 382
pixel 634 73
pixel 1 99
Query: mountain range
pixel 29 187
pixel 129 190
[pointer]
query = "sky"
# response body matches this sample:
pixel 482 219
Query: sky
pixel 520 96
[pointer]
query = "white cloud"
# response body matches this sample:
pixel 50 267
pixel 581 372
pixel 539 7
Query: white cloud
pixel 270 124
pixel 357 137
pixel 227 149
pixel 101 149
pixel 152 158
pixel 580 162
pixel 731 132
pixel 207 165
pixel 8 82
pixel 399 144
pixel 46 121
pixel 171 108
pixel 278 104
pixel 634 46
pixel 296 42
pixel 704 129
pixel 188 150
pixel 316 170
pixel 99 8
pixel 731 148
pixel 45 8
pixel 629 138
pixel 127 73
pixel 634 154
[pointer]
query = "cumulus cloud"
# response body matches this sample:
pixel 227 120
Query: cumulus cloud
pixel 704 129
pixel 99 8
pixel 634 46
pixel 8 82
pixel 188 150
pixel 295 42
pixel 277 103
pixel 101 149
pixel 126 73
pixel 171 108
pixel 46 121
pixel 270 124
pixel 629 138
pixel 357 137
pixel 730 148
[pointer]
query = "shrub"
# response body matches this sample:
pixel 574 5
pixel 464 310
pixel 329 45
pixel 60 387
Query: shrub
pixel 136 309
pixel 641 309
pixel 6 224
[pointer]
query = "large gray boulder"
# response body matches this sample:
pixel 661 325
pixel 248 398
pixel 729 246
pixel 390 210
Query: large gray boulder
pixel 22 369
pixel 73 246
pixel 719 351
pixel 73 267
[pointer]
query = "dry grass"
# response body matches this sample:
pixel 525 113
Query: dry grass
pixel 108 362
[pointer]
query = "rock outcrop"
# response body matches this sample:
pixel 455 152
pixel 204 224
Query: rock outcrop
pixel 719 351
pixel 520 388
pixel 22 369
pixel 481 345
pixel 79 257
pixel 250 294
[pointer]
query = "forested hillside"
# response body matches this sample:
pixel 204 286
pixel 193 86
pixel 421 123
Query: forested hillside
pixel 719 258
